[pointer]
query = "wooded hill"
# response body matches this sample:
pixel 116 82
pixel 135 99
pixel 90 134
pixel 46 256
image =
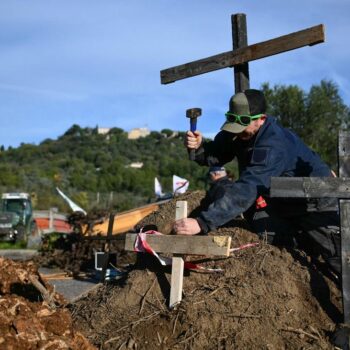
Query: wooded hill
pixel 94 170
pixel 90 168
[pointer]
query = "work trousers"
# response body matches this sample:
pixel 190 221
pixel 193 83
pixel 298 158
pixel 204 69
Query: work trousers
pixel 300 224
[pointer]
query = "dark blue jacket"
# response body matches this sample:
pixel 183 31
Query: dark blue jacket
pixel 217 189
pixel 273 151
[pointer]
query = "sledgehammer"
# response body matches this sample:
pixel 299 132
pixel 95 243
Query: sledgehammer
pixel 193 114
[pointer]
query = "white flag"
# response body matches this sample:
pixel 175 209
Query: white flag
pixel 72 205
pixel 157 188
pixel 180 185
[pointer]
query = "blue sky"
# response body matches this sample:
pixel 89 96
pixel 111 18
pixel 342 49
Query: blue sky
pixel 98 62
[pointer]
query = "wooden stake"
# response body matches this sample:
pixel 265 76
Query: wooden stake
pixel 177 270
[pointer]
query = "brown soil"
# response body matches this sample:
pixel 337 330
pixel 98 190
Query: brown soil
pixel 33 319
pixel 163 218
pixel 265 298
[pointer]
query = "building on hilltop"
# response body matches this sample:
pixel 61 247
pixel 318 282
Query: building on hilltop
pixel 103 131
pixel 136 165
pixel 137 133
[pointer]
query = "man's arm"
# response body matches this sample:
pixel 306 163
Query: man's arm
pixel 254 181
pixel 217 152
pixel 238 197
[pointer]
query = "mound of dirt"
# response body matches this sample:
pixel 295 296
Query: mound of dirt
pixel 164 217
pixel 264 298
pixel 32 315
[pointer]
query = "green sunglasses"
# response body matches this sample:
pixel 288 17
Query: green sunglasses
pixel 241 119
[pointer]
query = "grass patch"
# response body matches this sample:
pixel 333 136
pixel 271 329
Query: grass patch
pixel 9 245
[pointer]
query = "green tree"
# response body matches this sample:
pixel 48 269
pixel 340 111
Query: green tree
pixel 316 116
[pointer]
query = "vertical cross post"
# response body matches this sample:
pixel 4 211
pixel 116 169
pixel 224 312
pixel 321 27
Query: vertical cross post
pixel 177 269
pixel 344 204
pixel 240 39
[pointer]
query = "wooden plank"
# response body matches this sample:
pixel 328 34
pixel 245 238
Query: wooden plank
pixel 345 256
pixel 104 238
pixel 344 154
pixel 177 274
pixel 181 244
pixel 309 36
pixel 125 221
pixel 310 187
pixel 177 263
pixel 344 206
pixel 239 40
pixel 181 210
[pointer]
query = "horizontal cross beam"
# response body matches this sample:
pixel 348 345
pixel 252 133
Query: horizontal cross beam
pixel 309 36
pixel 310 187
pixel 182 244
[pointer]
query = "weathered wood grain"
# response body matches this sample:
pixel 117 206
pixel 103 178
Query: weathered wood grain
pixel 309 36
pixel 177 263
pixel 344 205
pixel 344 154
pixel 239 40
pixel 345 256
pixel 181 244
pixel 310 187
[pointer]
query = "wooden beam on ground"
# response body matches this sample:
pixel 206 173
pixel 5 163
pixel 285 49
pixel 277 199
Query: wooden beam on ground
pixel 309 36
pixel 125 221
pixel 181 244
pixel 310 187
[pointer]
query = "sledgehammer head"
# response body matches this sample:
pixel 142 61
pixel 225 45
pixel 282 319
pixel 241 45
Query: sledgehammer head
pixel 193 114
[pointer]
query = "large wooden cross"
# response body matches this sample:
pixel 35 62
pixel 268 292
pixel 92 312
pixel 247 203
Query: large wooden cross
pixel 180 245
pixel 329 187
pixel 242 54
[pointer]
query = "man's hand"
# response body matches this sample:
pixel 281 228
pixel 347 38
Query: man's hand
pixel 187 226
pixel 193 139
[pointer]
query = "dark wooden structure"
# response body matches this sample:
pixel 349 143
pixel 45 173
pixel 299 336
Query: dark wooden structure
pixel 241 54
pixel 333 188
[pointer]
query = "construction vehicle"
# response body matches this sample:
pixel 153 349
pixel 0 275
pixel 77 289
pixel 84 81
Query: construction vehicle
pixel 16 217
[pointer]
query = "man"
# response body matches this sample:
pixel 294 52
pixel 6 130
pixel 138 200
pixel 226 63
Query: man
pixel 264 149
